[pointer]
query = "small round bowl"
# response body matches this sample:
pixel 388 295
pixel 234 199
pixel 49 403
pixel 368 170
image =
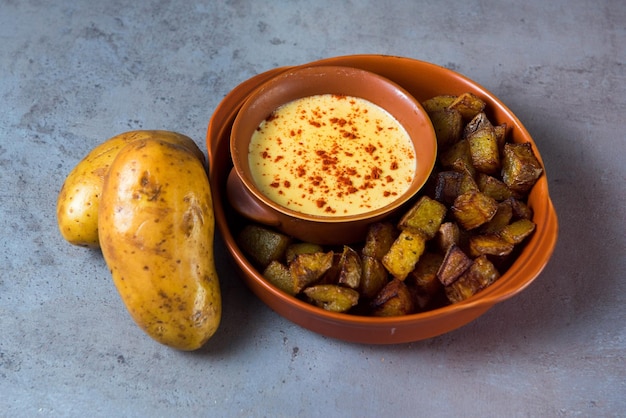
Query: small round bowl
pixel 423 80
pixel 246 198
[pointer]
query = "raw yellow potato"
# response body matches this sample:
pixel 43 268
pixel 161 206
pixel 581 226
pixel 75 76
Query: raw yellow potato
pixel 156 227
pixel 79 197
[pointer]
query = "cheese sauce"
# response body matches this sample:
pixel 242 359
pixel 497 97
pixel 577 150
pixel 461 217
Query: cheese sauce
pixel 332 155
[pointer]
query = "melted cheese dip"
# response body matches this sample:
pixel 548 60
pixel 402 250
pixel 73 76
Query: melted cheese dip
pixel 331 155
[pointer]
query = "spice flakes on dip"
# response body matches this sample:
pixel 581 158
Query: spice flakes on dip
pixel 332 155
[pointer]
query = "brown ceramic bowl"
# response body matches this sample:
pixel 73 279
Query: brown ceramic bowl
pixel 246 198
pixel 423 80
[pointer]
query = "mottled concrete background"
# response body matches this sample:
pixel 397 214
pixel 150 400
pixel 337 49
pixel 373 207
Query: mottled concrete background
pixel 74 73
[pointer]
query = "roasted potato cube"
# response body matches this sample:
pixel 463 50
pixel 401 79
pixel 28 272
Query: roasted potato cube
pixel 520 167
pixel 451 184
pixel 517 231
pixel 307 269
pixel 448 125
pixel 472 209
pixel 424 217
pixel 501 133
pixel 424 276
pixel 483 146
pixel 448 235
pixel 331 276
pixel 404 253
pixel 437 103
pixel 520 209
pixel 454 263
pixel 489 244
pixel 350 269
pixel 332 297
pixel 458 157
pixel 493 187
pixel 373 278
pixel 278 274
pixel 478 276
pixel 468 104
pixel 380 236
pixel 478 122
pixel 296 248
pixel 502 218
pixel 262 244
pixel 393 300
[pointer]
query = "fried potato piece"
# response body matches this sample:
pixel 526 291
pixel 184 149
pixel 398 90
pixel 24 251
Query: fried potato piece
pixel 448 125
pixel 424 280
pixel 262 244
pixel 448 235
pixel 373 278
pixel 468 105
pixel 517 231
pixel 503 216
pixel 489 244
pixel 307 269
pixel 472 209
pixel 424 217
pixel 520 209
pixel 278 274
pixel 454 263
pixel 520 167
pixel 450 184
pixel 350 269
pixel 437 103
pixel 296 248
pixel 493 187
pixel 332 297
pixel 380 236
pixel 404 253
pixel 393 300
pixel 483 145
pixel 478 276
pixel 501 135
pixel 458 157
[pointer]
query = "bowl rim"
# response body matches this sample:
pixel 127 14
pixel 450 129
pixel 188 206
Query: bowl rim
pixel 427 159
pixel 537 252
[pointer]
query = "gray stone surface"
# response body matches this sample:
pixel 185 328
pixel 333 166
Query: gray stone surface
pixel 74 73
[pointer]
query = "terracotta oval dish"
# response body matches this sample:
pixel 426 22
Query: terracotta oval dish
pixel 422 80
pixel 339 82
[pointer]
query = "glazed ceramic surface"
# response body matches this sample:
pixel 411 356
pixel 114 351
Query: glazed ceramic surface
pixel 422 80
